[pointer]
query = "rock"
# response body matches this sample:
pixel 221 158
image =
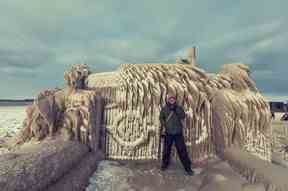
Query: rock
pixel 78 177
pixel 34 167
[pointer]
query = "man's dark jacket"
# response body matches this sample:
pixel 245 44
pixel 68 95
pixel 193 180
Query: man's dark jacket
pixel 174 125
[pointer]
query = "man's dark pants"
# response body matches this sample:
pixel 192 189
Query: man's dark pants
pixel 181 150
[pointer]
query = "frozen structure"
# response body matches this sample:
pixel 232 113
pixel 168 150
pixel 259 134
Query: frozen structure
pixel 118 112
pixel 69 112
pixel 222 110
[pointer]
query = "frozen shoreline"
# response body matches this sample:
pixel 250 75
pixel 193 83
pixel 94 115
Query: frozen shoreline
pixel 11 119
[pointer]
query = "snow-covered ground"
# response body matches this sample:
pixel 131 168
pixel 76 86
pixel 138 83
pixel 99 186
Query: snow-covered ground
pixel 11 118
pixel 110 176
pixel 137 176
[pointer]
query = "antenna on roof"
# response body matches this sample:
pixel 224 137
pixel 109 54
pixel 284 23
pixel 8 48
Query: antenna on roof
pixel 191 55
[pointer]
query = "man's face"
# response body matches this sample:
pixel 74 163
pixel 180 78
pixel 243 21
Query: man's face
pixel 172 100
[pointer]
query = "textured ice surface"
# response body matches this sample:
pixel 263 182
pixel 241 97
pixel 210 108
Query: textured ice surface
pixel 118 176
pixel 110 176
pixel 11 119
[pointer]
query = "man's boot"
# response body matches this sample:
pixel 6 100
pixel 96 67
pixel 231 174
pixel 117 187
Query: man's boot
pixel 189 172
pixel 164 167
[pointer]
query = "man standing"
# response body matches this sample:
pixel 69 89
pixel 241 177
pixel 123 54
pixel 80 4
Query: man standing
pixel 171 117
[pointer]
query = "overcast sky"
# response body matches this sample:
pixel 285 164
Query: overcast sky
pixel 40 39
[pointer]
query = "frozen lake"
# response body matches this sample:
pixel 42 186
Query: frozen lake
pixel 11 118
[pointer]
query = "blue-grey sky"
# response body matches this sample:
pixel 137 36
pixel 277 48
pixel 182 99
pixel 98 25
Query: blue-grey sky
pixel 40 39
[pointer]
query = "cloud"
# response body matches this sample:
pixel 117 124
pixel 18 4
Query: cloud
pixel 39 40
pixel 248 34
